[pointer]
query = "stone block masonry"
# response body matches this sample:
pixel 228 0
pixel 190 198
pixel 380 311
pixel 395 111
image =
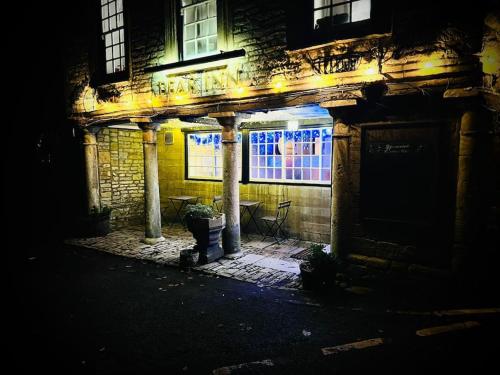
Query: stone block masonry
pixel 121 170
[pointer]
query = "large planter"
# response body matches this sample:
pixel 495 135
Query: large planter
pixel 207 233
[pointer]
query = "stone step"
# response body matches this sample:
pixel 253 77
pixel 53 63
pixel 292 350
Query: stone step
pixel 396 268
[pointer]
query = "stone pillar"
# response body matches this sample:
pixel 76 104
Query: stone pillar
pixel 91 168
pixel 341 197
pixel 468 189
pixel 151 187
pixel 231 242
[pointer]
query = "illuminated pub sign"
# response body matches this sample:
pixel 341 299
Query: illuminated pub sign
pixel 199 83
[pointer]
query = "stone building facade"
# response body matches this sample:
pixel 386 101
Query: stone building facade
pixel 411 97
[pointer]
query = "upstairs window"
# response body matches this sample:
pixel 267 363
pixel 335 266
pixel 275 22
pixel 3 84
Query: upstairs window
pixel 199 30
pixel 113 36
pixel 331 13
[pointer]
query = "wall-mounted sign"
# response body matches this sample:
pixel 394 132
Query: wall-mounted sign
pixel 329 64
pixel 206 82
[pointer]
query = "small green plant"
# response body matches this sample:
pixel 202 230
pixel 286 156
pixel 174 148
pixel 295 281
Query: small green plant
pixel 320 260
pixel 198 211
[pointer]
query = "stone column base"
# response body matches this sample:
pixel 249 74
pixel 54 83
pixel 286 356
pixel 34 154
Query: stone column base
pixel 153 241
pixel 236 255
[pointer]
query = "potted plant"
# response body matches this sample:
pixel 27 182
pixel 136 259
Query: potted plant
pixel 320 268
pixel 206 227
pixel 98 221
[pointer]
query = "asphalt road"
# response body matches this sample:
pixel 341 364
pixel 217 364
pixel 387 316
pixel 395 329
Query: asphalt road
pixel 77 311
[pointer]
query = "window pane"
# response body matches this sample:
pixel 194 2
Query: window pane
pixel 109 54
pixel 120 19
pixel 212 9
pixel 190 32
pixel 205 155
pixel 340 14
pixel 119 5
pixel 189 15
pixel 105 26
pixel 201 46
pixel 107 40
pixel 112 22
pixel 104 11
pixel 109 67
pixel 202 29
pixel 116 37
pixel 201 12
pixel 112 8
pixel 190 49
pixel 361 10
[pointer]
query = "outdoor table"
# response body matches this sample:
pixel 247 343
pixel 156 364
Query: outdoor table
pixel 250 207
pixel 184 201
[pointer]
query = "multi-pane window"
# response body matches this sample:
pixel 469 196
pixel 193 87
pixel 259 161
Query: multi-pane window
pixel 205 155
pixel 337 12
pixel 113 35
pixel 301 156
pixel 199 28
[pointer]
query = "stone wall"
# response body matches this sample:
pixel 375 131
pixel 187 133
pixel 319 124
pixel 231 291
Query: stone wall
pixel 121 170
pixel 309 215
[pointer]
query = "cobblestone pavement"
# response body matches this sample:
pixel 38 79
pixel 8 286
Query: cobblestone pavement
pixel 261 262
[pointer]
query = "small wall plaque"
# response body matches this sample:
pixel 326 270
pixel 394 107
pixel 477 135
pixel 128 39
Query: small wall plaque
pixel 169 138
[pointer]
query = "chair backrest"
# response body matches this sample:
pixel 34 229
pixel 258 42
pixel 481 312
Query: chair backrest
pixel 282 212
pixel 217 203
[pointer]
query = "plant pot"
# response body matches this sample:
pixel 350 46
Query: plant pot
pixel 206 232
pixel 315 279
pixel 188 258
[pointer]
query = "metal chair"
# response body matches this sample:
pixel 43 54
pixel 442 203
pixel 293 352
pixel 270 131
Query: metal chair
pixel 217 204
pixel 274 223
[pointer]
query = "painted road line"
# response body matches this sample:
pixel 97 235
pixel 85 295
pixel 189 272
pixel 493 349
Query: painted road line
pixel 353 345
pixel 448 328
pixel 229 369
pixel 493 310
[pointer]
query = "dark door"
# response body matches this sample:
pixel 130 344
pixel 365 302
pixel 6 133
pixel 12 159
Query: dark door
pixel 400 169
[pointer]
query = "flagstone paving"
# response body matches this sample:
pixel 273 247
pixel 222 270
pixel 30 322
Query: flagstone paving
pixel 261 262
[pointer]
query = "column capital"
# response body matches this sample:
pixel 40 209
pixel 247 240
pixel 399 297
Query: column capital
pixel 146 126
pixel 90 129
pixel 229 118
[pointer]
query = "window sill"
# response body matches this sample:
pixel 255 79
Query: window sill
pixel 198 63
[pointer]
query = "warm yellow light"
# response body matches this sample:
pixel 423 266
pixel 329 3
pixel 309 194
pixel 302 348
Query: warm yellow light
pixel 180 97
pixel 240 91
pixel 429 64
pixel 370 71
pixel 278 85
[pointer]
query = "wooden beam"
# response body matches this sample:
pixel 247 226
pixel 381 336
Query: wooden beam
pixel 339 103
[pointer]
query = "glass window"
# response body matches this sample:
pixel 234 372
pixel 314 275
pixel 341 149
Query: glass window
pixel 329 13
pixel 113 35
pixel 300 156
pixel 205 155
pixel 199 28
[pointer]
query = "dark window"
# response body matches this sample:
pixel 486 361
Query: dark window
pixel 329 13
pixel 113 36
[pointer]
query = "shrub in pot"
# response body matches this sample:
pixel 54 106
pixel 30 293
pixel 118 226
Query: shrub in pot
pixel 206 227
pixel 319 270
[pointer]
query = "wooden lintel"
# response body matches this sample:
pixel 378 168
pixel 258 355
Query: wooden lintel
pixel 339 103
pixel 468 92
pixel 221 114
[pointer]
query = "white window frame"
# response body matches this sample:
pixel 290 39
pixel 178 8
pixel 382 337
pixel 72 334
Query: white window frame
pixel 262 160
pixel 113 36
pixel 197 24
pixel 213 162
